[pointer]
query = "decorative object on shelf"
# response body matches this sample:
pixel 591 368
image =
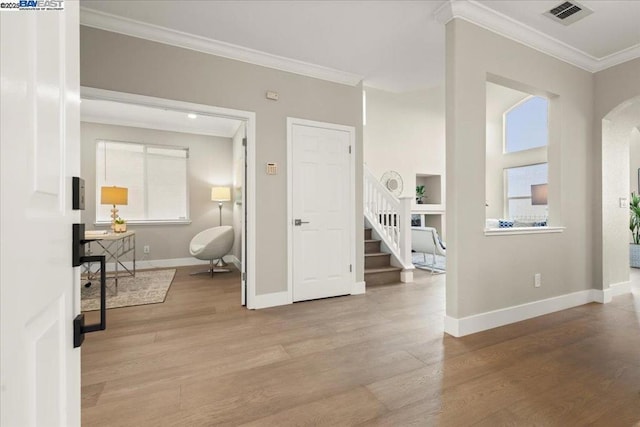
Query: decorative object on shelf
pixel 392 181
pixel 634 226
pixel 419 193
pixel 119 225
pixel 114 196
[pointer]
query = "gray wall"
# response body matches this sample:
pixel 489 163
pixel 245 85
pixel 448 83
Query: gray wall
pixel 210 164
pixel 121 63
pixel 486 273
pixel 405 133
pixel 611 162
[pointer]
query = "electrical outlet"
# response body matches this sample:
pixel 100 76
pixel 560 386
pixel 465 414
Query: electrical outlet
pixel 146 249
pixel 537 280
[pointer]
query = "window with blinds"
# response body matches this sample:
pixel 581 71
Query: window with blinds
pixel 156 177
pixel 518 192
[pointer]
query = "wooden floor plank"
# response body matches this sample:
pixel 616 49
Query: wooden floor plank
pixel 380 359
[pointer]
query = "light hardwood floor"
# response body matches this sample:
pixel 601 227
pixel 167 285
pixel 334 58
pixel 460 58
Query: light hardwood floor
pixel 374 359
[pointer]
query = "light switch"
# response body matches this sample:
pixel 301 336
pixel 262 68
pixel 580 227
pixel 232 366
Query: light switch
pixel 272 95
pixel 272 168
pixel 624 202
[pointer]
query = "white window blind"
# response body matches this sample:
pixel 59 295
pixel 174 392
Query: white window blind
pixel 156 177
pixel 518 185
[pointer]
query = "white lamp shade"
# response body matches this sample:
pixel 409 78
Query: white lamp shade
pixel 220 194
pixel 114 195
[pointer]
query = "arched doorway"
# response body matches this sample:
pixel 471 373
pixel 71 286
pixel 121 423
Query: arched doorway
pixel 618 128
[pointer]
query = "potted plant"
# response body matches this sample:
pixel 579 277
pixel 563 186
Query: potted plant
pixel 419 193
pixel 119 225
pixel 634 226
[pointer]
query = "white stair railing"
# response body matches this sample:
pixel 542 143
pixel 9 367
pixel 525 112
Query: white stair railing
pixel 390 217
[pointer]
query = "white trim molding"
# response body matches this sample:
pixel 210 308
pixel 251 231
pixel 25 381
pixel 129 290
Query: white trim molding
pixel 510 231
pixel 271 300
pixel 359 288
pixel 493 319
pixel 130 27
pixel 485 17
pixel 604 296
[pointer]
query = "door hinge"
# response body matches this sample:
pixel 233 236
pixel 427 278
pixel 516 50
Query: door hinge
pixel 244 142
pixel 349 149
pixel 244 276
pixel 350 268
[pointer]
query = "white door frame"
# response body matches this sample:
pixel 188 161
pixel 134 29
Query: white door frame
pixel 291 121
pixel 249 190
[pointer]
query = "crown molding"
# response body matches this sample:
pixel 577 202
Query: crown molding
pixel 143 30
pixel 485 17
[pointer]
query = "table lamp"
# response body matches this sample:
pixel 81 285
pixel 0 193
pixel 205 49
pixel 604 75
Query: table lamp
pixel 114 196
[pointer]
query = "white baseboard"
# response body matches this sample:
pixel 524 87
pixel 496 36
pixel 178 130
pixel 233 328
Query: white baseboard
pixel 171 262
pixel 492 319
pixel 358 288
pixel 233 260
pixel 604 296
pixel 620 288
pixel 269 300
pixel 406 276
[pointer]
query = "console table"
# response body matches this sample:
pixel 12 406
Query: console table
pixel 115 247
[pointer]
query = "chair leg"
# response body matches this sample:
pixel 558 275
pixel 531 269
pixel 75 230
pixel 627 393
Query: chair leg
pixel 211 267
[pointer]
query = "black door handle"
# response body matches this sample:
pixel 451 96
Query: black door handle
pixel 79 328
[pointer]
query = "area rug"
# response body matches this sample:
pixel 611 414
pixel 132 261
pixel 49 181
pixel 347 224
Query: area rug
pixel 440 265
pixel 148 287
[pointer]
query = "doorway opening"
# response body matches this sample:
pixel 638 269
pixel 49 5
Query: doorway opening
pixel 175 159
pixel 620 164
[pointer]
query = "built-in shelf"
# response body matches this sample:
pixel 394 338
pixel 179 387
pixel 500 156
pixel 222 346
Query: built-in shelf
pixel 429 213
pixel 427 208
pixel 432 188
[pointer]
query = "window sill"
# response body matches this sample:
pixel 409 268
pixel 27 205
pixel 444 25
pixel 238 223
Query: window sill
pixel 522 230
pixel 148 222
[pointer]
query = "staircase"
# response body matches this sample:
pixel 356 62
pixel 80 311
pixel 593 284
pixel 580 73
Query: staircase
pixel 377 264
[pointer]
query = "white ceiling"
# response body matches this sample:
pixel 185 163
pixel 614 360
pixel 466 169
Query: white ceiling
pixel 123 114
pixel 393 45
pixel 613 27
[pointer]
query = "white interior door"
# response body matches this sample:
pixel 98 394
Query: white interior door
pixel 321 192
pixel 39 291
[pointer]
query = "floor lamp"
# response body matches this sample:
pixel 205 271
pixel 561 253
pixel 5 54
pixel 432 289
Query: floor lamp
pixel 220 194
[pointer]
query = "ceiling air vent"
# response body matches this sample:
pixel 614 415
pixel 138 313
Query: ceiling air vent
pixel 568 12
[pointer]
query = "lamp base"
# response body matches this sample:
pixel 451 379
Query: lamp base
pixel 212 269
pixel 114 216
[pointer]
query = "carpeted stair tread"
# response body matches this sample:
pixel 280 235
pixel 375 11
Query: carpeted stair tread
pixel 372 240
pixel 376 254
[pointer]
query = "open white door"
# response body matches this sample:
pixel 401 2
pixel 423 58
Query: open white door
pixel 39 289
pixel 322 209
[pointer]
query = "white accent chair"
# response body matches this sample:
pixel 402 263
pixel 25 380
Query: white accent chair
pixel 211 244
pixel 426 241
